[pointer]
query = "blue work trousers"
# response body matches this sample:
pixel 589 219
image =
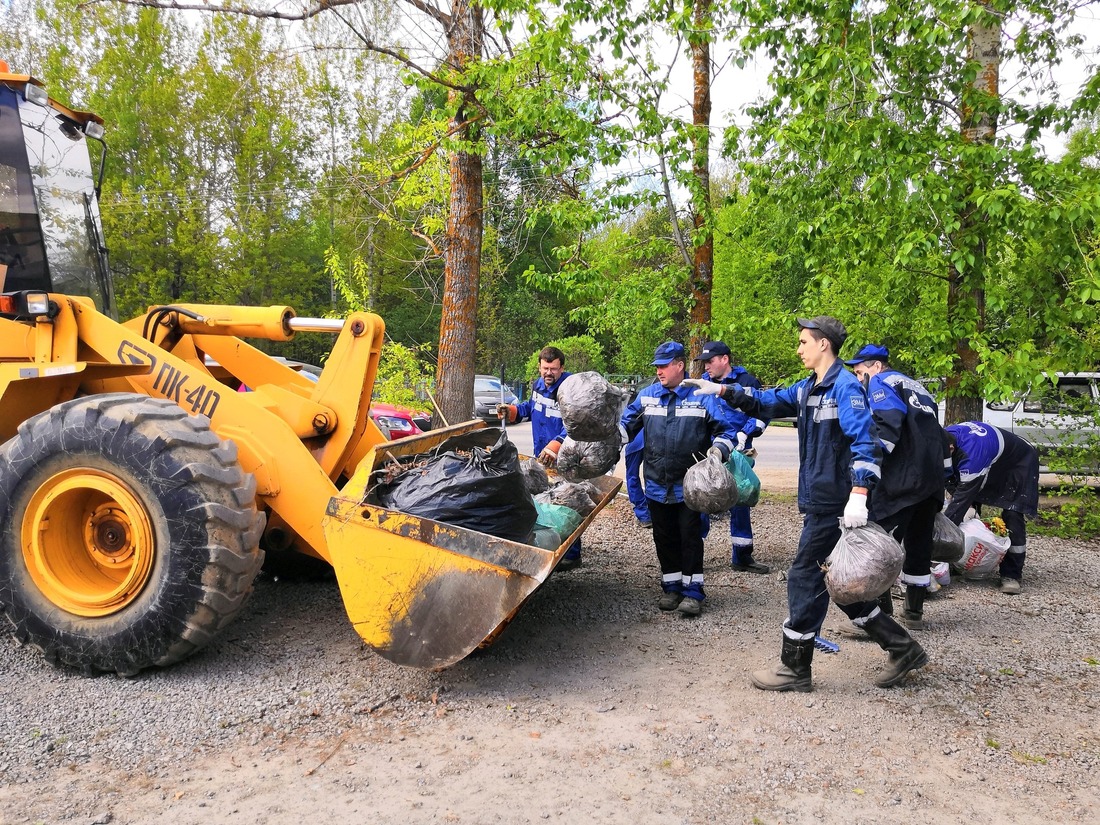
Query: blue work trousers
pixel 679 541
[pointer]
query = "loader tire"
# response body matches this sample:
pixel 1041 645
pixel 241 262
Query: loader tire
pixel 129 535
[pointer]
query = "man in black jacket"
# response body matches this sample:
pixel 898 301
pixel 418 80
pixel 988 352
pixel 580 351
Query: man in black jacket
pixel 911 489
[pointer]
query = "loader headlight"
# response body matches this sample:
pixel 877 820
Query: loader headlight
pixel 26 305
pixel 94 130
pixel 35 94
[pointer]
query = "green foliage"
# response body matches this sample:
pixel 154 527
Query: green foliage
pixel 401 377
pixel 582 354
pixel 860 147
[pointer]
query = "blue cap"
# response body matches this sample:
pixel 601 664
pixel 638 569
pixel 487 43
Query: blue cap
pixel 871 352
pixel 668 352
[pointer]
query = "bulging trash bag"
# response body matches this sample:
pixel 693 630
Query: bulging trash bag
pixel 590 406
pixel 534 476
pixel 472 480
pixel 948 543
pixel 578 460
pixel 863 565
pixel 567 494
pixel 748 484
pixel 983 551
pixel 709 487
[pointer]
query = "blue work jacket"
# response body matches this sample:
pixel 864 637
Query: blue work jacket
pixel 837 443
pixel 680 425
pixel 742 422
pixel 542 410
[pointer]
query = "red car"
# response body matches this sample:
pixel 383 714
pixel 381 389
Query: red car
pixel 398 422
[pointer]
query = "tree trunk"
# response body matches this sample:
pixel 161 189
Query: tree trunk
pixel 462 254
pixel 966 285
pixel 702 276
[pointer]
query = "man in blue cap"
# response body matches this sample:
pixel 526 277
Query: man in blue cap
pixel 680 425
pixel 838 466
pixel 717 359
pixel 911 490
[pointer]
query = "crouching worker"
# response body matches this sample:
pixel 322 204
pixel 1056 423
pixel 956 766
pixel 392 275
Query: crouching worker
pixel 995 467
pixel 838 466
pixel 547 427
pixel 680 426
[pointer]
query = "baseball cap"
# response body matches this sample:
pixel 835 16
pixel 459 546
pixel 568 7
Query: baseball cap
pixel 829 326
pixel 668 352
pixel 711 349
pixel 871 352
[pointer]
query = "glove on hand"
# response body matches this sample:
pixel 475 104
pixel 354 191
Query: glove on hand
pixel 549 455
pixel 855 511
pixel 970 513
pixel 742 442
pixel 508 410
pixel 715 452
pixel 702 386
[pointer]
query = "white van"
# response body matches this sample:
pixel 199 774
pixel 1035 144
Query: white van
pixel 1059 413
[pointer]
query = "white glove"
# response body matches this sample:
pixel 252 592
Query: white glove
pixel 855 511
pixel 970 513
pixel 742 442
pixel 702 386
pixel 714 452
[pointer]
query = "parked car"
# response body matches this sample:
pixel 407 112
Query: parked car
pixel 488 392
pixel 1059 416
pixel 396 421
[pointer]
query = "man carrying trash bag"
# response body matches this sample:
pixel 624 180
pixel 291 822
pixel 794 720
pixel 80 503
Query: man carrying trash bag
pixel 910 493
pixel 716 356
pixel 838 466
pixel 547 428
pixel 680 425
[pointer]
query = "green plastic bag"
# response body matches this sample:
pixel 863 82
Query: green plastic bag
pixel 748 484
pixel 557 517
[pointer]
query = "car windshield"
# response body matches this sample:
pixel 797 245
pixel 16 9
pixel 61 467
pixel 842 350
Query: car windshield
pixel 487 385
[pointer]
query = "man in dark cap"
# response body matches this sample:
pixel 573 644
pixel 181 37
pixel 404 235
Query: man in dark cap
pixel 838 467
pixel 717 359
pixel 910 493
pixel 680 425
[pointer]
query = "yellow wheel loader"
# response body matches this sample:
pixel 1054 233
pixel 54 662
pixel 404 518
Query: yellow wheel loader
pixel 138 485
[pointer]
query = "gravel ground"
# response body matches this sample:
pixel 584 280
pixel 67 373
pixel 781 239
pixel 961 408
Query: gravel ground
pixel 592 706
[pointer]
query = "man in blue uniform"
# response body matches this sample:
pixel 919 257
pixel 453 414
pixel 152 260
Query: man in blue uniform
pixel 995 467
pixel 680 426
pixel 547 427
pixel 910 493
pixel 838 467
pixel 716 356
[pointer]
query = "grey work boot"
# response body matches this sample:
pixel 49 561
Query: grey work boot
pixel 793 673
pixel 849 630
pixel 906 654
pixel 912 615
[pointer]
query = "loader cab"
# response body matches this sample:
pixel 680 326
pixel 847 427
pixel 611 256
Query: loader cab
pixel 51 235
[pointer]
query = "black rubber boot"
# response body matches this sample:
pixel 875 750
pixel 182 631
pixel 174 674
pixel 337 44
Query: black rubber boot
pixel 913 614
pixel 886 603
pixel 793 673
pixel 906 654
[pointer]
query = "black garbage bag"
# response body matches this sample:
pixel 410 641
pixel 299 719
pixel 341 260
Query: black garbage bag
pixel 948 542
pixel 472 480
pixel 534 476
pixel 864 564
pixel 578 460
pixel 709 487
pixel 590 406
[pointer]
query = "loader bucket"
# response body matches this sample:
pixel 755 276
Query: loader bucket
pixel 422 593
